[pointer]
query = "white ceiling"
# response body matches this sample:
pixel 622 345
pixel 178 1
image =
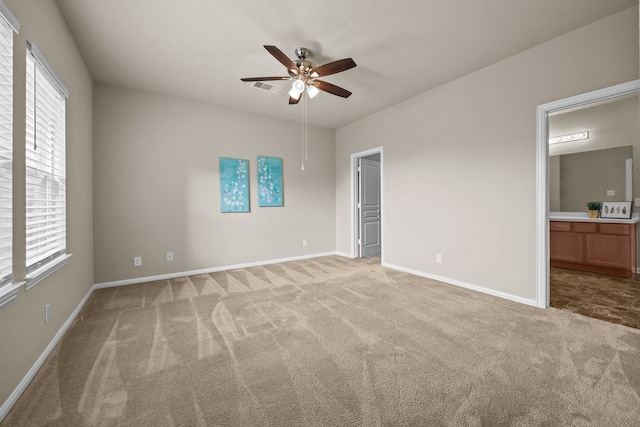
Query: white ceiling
pixel 199 49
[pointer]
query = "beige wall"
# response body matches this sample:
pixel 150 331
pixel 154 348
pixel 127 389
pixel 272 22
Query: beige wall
pixel 459 160
pixel 157 186
pixel 23 334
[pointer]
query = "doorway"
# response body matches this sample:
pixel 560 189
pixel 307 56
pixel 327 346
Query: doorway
pixel 542 175
pixel 597 168
pixel 367 203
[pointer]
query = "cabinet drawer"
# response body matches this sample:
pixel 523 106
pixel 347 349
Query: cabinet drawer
pixel 559 226
pixel 584 227
pixel 621 229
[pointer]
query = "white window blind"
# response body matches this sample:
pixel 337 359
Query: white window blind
pixel 45 164
pixel 6 151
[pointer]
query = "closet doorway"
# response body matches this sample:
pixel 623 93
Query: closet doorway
pixel 367 212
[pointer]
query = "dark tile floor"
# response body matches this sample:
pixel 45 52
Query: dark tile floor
pixel 609 298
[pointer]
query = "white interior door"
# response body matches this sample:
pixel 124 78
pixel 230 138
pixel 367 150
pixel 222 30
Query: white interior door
pixel 369 206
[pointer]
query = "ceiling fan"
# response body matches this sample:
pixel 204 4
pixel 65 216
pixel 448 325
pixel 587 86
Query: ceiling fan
pixel 305 73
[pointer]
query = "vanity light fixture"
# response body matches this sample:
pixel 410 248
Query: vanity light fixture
pixel 570 137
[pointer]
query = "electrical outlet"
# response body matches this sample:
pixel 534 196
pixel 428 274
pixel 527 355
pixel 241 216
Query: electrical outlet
pixel 304 243
pixel 611 192
pixel 47 313
pixel 438 258
pixel 169 256
pixel 137 261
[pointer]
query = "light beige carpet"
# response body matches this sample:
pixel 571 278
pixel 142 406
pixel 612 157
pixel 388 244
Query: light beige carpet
pixel 330 341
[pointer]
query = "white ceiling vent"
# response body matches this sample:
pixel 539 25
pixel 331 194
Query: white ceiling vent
pixel 267 86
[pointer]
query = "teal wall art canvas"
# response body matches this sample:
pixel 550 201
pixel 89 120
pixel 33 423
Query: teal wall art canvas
pixel 234 185
pixel 270 181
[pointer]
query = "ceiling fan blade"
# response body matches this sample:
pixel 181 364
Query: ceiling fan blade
pixel 331 88
pixel 263 79
pixel 280 56
pixel 334 67
pixel 293 100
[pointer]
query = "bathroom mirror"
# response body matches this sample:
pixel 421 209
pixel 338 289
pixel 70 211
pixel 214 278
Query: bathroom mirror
pixel 599 168
pixel 578 178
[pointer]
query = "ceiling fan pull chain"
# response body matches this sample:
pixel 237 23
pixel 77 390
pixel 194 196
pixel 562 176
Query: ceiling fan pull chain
pixel 306 126
pixel 302 139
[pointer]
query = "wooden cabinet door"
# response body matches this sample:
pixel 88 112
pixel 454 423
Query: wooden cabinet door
pixel 609 250
pixel 566 246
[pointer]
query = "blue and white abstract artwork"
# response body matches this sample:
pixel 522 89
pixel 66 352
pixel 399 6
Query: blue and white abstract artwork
pixel 234 185
pixel 269 181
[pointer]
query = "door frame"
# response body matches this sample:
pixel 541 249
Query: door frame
pixel 354 200
pixel 542 174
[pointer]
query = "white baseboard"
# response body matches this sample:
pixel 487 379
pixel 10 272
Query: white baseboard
pixel 344 254
pixel 477 288
pixel 206 270
pixel 21 387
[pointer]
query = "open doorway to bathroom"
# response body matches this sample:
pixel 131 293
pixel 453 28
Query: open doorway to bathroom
pixel 598 168
pixel 578 272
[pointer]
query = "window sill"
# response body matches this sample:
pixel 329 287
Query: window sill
pixel 9 292
pixel 39 275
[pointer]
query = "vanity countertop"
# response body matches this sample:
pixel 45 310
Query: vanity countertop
pixel 584 217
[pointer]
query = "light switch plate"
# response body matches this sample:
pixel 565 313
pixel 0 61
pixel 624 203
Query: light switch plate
pixel 637 201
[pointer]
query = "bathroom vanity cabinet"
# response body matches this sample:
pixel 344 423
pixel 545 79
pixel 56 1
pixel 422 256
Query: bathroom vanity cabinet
pixel 594 245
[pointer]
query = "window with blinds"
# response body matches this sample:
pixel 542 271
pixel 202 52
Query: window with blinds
pixel 6 150
pixel 45 165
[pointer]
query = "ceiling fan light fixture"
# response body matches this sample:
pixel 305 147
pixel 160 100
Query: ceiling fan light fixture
pixel 294 94
pixel 312 91
pixel 296 89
